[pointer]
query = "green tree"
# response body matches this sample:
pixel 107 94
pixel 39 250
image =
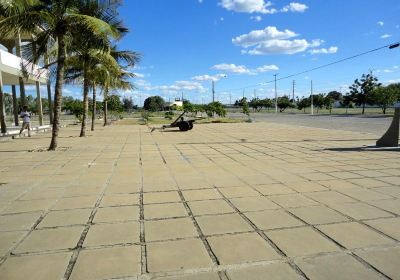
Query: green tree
pixel 59 21
pixel 328 102
pixel 303 103
pixel 266 103
pixel 256 104
pixel 385 97
pixel 154 104
pixel 362 89
pixel 318 101
pixel 215 108
pixel 284 103
pixel 114 103
pixel 245 106
pixel 347 101
pixel 128 104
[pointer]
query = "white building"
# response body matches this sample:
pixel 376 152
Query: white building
pixel 11 73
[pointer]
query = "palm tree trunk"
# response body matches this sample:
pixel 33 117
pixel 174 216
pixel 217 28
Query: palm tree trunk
pixel 105 105
pixel 85 100
pixel 49 92
pixel 58 93
pixel 94 107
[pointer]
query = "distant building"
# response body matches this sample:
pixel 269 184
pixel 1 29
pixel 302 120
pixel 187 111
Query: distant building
pixel 178 103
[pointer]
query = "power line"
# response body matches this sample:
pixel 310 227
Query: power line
pixel 390 46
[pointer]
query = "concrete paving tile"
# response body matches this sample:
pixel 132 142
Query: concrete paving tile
pixel 65 218
pixel 360 210
pixel 301 242
pixel 254 203
pixel 197 276
pixel 117 214
pixel 330 197
pixel 354 235
pixel 111 234
pixel 206 194
pixel 175 255
pixel 393 191
pixel 75 202
pixel 391 205
pixel 274 189
pixel 42 194
pixel 393 180
pixel 390 226
pixel 28 206
pixel 338 184
pixel 82 190
pixel 369 182
pixel 364 194
pixel 241 248
pixel 117 262
pixel 273 219
pixel 317 176
pixel 15 222
pixel 386 260
pixel 206 207
pixel 170 229
pixel 227 223
pixel 161 197
pixel 120 200
pixel 277 271
pixel 306 186
pixel 320 214
pixel 9 239
pixel 231 192
pixel 292 200
pixel 168 210
pixel 44 267
pixel 50 239
pixel 334 267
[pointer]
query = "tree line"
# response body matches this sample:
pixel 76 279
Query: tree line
pixel 364 91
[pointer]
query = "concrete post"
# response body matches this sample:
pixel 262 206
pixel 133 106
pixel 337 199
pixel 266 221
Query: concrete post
pixel 391 137
pixel 3 126
pixel 15 105
pixel 39 103
pixel 21 80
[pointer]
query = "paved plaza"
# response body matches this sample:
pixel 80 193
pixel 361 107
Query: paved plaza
pixel 224 201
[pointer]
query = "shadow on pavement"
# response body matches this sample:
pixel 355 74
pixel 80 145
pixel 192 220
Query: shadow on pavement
pixel 364 149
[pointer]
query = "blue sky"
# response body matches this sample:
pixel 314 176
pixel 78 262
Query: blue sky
pixel 187 43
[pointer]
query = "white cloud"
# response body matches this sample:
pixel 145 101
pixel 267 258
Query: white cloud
pixel 139 75
pixel 330 50
pixel 258 36
pixel 380 23
pixel 180 86
pixel 273 41
pixel 385 36
pixel 204 78
pixel 267 68
pixel 256 18
pixel 248 6
pixel 295 7
pixel 232 68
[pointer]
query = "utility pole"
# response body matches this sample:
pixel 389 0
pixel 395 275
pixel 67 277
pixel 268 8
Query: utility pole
pixel 312 99
pixel 294 85
pixel 182 96
pixel 213 91
pixel 276 96
pixel 230 99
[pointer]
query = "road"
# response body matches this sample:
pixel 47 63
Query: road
pixel 365 124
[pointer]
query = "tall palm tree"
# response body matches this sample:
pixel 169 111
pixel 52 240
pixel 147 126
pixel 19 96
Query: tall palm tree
pixel 58 21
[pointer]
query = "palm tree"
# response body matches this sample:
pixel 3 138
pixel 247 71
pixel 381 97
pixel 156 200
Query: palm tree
pixel 58 22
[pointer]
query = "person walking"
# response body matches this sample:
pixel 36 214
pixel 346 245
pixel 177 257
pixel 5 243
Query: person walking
pixel 26 121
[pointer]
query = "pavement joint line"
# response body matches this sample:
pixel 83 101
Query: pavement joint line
pixel 39 220
pixel 207 246
pixel 296 268
pixel 143 247
pixel 78 248
pixel 261 233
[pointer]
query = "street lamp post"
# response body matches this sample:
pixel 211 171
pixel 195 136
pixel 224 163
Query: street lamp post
pixel 276 96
